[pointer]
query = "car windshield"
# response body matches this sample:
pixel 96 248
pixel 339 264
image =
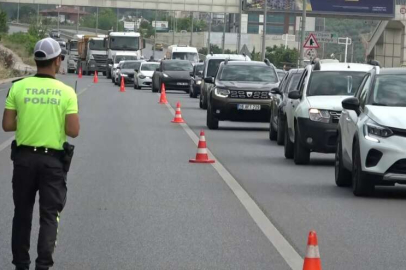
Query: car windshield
pixel 124 43
pixel 294 81
pixel 124 57
pixel 193 57
pixel 178 66
pixel 389 90
pixel 248 73
pixel 281 74
pixel 149 67
pixel 73 45
pixel 334 83
pixel 97 45
pixel 131 65
pixel 199 68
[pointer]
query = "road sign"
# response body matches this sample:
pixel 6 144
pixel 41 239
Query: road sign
pixel 310 54
pixel 245 50
pixel 325 37
pixel 311 42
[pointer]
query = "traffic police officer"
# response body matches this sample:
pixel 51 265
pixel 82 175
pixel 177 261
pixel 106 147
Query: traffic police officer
pixel 42 111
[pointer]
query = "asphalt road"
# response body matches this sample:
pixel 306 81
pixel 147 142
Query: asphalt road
pixel 134 201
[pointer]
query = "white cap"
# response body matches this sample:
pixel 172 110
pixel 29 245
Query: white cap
pixel 46 49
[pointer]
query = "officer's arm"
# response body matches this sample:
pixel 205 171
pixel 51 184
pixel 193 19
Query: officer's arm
pixel 72 125
pixel 9 120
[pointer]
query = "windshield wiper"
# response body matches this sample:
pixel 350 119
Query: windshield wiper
pixel 379 104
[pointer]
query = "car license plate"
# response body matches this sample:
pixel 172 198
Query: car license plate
pixel 249 107
pixel 182 83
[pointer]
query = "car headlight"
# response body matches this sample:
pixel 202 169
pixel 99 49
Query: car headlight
pixel 221 92
pixel 199 82
pixel 372 129
pixel 165 75
pixel 319 115
pixel 141 76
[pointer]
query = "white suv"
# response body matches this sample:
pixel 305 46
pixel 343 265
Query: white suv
pixel 371 146
pixel 313 111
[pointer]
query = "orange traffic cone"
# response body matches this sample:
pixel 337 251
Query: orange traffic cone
pixel 202 156
pixel 95 78
pixel 122 85
pixel 80 73
pixel 178 115
pixel 312 259
pixel 163 100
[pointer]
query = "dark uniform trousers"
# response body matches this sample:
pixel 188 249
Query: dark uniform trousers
pixel 42 172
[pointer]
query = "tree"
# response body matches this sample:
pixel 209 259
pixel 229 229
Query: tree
pixel 3 22
pixel 107 19
pixel 280 56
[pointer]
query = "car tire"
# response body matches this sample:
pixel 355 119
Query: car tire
pixel 191 92
pixel 200 102
pixel 116 81
pixel 272 132
pixel 204 103
pixel 301 155
pixel 104 73
pixel 154 89
pixel 343 176
pixel 212 122
pixel 288 145
pixel 360 184
pixel 108 74
pixel 194 94
pixel 281 132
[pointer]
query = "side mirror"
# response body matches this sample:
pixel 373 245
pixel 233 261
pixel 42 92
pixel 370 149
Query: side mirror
pixel 199 73
pixel 295 95
pixel 136 70
pixel 191 74
pixel 351 104
pixel 157 69
pixel 209 80
pixel 118 68
pixel 276 91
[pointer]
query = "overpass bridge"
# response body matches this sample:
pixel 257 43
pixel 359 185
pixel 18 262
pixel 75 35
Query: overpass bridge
pixel 215 6
pixel 387 43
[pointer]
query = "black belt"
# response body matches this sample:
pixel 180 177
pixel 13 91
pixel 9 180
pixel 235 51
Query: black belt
pixel 41 150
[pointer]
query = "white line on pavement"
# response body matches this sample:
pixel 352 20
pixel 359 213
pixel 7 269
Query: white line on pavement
pixel 285 249
pixel 5 144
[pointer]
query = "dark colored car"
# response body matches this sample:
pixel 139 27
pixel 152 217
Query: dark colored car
pixel 196 80
pixel 175 74
pixel 288 84
pixel 126 70
pixel 241 92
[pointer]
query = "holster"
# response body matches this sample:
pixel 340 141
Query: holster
pixel 13 150
pixel 68 150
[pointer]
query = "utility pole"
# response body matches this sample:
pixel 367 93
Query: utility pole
pixel 302 39
pixel 223 43
pixel 153 51
pixel 239 29
pixel 58 17
pixel 117 20
pixel 208 38
pixel 191 30
pixel 18 12
pixel 37 14
pixel 324 44
pixel 173 28
pixel 264 30
pixel 77 23
pixel 97 20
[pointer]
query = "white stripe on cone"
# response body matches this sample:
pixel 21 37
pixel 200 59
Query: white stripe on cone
pixel 202 138
pixel 202 150
pixel 312 252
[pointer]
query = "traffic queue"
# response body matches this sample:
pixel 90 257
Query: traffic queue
pixel 351 110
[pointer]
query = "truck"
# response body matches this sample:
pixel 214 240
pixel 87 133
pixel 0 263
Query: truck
pixel 124 43
pixel 73 53
pixel 182 52
pixel 92 54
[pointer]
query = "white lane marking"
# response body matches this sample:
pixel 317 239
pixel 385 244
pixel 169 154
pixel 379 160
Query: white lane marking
pixel 5 144
pixel 285 249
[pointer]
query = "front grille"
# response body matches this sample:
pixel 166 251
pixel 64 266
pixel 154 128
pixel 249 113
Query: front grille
pixel 399 167
pixel 249 94
pixel 335 116
pixel 130 75
pixel 100 58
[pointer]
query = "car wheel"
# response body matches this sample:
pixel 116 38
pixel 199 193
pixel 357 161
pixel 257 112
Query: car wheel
pixel 200 102
pixel 281 132
pixel 194 94
pixel 116 81
pixel 154 88
pixel 272 132
pixel 212 122
pixel 342 175
pixel 204 103
pixel 191 91
pixel 301 155
pixel 104 73
pixel 108 74
pixel 360 184
pixel 288 144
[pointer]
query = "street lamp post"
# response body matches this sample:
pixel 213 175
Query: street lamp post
pixel 302 39
pixel 209 33
pixel 191 30
pixel 223 44
pixel 18 12
pixel 264 30
pixel 153 50
pixel 97 20
pixel 239 29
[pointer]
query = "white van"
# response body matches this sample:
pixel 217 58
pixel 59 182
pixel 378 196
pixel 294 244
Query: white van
pixel 182 52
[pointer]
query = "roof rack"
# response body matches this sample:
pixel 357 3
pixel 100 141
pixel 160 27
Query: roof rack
pixel 266 61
